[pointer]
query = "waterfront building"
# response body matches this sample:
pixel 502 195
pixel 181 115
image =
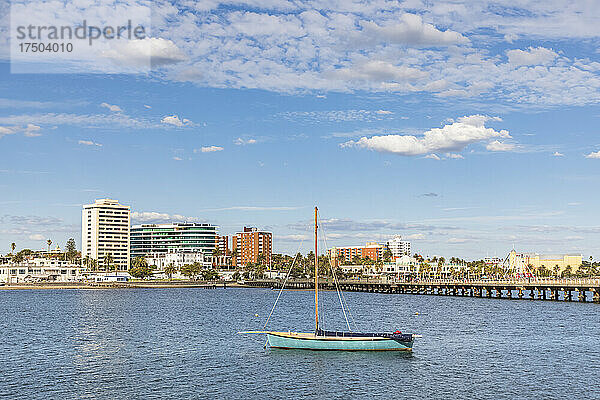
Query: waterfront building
pixel 250 244
pixel 175 237
pixel 371 250
pixel 525 263
pixel 105 230
pixel 40 270
pixel 222 244
pixel 398 247
pixel 178 258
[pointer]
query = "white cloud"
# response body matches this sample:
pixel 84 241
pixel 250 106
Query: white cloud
pixel 89 143
pixel 557 154
pixel 593 155
pixel 451 137
pixel 383 112
pixel 414 236
pixel 87 120
pixel 242 142
pixel 152 216
pixel 177 158
pixel 531 56
pixel 31 130
pixel 411 30
pixel 208 149
pixel 145 52
pixel 36 236
pixel 111 107
pixel 379 71
pixel 175 121
pixel 454 156
pixel 433 156
pixel 8 130
pixel 147 106
pixel 497 145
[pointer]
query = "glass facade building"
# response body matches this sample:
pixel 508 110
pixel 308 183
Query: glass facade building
pixel 175 237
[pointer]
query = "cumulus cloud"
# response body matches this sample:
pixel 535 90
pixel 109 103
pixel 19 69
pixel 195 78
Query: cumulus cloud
pixel 411 30
pixel 155 217
pixel 557 154
pixel 242 142
pixel 451 137
pixel 531 56
pixel 379 71
pixel 175 121
pixel 111 107
pixel 144 53
pixel 593 155
pixel 36 236
pixel 89 143
pixel 433 157
pixel 8 130
pixel 497 145
pixel 208 149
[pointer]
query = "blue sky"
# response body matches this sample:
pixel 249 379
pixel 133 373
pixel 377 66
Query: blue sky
pixel 466 128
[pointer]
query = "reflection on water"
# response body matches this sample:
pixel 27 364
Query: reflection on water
pixel 182 343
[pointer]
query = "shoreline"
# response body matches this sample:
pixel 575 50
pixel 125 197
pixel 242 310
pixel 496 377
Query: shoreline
pixel 122 285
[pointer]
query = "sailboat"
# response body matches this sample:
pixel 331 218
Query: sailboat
pixel 337 340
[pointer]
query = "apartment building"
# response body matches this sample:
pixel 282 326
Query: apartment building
pixel 250 244
pixel 105 230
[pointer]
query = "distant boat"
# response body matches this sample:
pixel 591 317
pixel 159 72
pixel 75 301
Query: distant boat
pixel 334 340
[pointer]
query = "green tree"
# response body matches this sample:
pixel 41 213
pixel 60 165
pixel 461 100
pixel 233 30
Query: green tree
pixel 191 270
pixel 209 275
pixel 236 276
pixel 108 260
pixel 142 270
pixel 387 255
pixel 49 242
pixel 13 246
pixel 71 250
pixel 216 254
pixel 170 270
pixel 233 258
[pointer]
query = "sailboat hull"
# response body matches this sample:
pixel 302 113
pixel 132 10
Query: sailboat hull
pixel 307 341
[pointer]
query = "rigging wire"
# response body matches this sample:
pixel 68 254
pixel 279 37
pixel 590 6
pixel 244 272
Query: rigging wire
pixel 337 287
pixel 284 282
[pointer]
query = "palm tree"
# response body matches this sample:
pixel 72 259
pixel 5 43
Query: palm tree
pixel 49 243
pixel 13 246
pixel 234 255
pixel 108 259
pixel 216 254
pixel 170 270
pixel 93 264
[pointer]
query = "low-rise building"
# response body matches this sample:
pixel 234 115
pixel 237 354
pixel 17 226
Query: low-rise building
pixel 40 270
pixel 528 263
pixel 178 259
pixel 370 250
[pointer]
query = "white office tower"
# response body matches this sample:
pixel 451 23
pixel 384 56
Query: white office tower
pixel 105 230
pixel 399 247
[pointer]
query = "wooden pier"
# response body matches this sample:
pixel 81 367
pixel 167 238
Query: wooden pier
pixel 581 290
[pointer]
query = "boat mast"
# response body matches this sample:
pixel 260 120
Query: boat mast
pixel 316 276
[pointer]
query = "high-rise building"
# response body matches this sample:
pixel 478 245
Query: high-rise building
pixel 250 244
pixel 223 245
pixel 399 247
pixel 178 237
pixel 105 230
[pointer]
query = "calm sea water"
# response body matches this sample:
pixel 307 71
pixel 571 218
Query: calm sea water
pixel 182 343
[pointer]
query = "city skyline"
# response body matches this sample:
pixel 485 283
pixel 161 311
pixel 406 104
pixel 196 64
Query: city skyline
pixel 465 129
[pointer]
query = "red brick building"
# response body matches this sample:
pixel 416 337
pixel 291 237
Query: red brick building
pixel 250 244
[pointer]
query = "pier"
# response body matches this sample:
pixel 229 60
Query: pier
pixel 580 290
